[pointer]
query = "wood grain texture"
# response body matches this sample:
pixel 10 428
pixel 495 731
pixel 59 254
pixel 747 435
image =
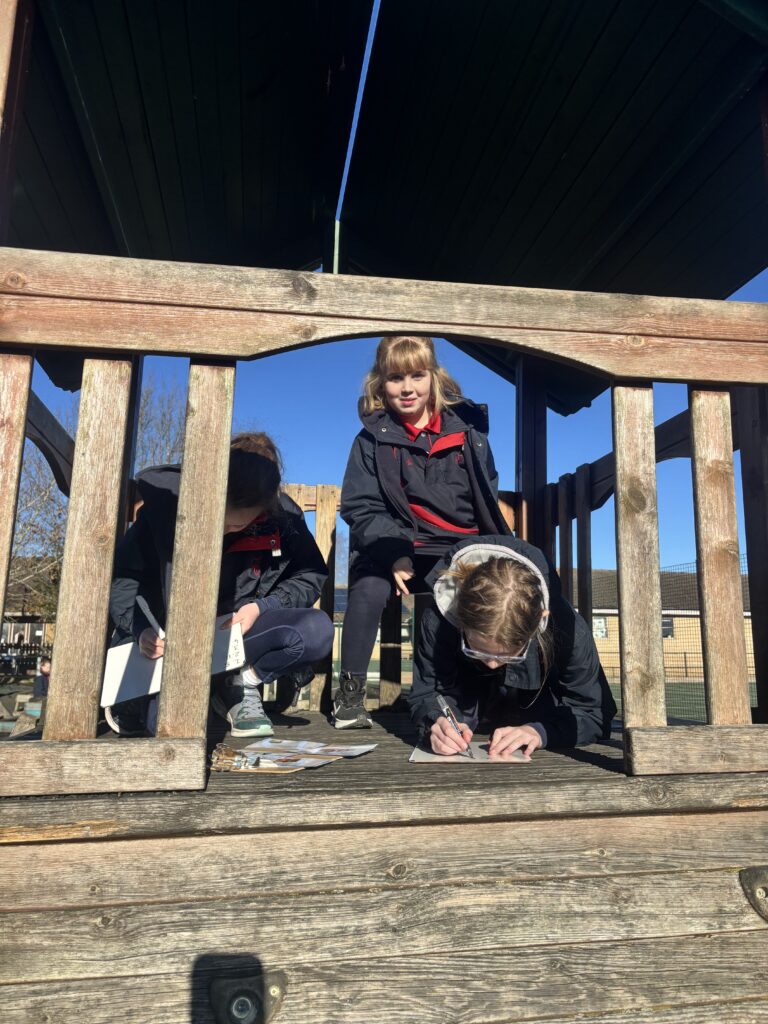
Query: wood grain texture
pixel 637 550
pixel 185 692
pixel 154 282
pixel 117 873
pixel 327 503
pixel 246 334
pixel 588 782
pixel 697 748
pixel 418 921
pixel 751 405
pixel 717 548
pixel 94 766
pixel 565 536
pixel 15 377
pixel 81 620
pixel 742 1011
pixel 605 978
pixel 581 501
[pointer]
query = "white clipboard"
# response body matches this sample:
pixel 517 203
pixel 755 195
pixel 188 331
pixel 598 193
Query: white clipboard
pixel 128 673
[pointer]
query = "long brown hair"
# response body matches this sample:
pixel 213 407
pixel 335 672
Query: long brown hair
pixel 405 353
pixel 501 599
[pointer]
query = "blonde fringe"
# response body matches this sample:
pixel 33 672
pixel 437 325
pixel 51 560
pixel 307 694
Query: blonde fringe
pixel 404 353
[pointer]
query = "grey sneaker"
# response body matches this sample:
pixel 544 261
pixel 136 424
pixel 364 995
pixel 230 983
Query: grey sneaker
pixel 240 703
pixel 349 703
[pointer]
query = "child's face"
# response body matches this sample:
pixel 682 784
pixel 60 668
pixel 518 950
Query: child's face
pixel 408 393
pixel 236 519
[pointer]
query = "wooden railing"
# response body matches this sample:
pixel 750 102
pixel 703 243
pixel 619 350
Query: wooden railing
pixel 110 308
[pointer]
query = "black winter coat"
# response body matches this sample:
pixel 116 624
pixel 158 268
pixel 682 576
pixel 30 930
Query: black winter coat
pixel 373 502
pixel 143 558
pixel 575 705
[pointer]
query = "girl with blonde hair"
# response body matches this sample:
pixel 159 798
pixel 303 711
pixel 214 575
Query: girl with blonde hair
pixel 420 476
pixel 502 645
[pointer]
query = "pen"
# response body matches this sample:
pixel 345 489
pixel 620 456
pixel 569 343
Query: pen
pixel 150 617
pixel 447 710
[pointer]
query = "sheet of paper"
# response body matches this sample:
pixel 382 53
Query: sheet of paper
pixel 479 749
pixel 129 674
pixel 310 747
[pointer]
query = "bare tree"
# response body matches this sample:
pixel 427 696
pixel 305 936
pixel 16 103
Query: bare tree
pixel 160 439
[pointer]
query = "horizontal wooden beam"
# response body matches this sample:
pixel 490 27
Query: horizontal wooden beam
pixel 100 766
pixel 112 326
pixel 692 749
pixel 27 272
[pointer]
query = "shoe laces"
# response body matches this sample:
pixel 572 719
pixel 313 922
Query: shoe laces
pixel 251 705
pixel 351 692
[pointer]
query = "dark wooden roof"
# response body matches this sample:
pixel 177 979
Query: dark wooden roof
pixel 606 145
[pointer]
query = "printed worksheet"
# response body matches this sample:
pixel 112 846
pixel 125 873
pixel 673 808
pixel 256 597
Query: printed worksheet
pixel 479 750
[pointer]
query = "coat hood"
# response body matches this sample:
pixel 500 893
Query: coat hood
pixel 446 586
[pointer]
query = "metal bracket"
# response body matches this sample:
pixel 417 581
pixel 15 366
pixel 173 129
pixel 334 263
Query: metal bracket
pixel 251 999
pixel 754 882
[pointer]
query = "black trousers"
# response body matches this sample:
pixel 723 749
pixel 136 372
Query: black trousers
pixel 369 591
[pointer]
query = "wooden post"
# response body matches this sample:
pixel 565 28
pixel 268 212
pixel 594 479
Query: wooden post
pixel 637 549
pixel 565 522
pixel 717 547
pixel 183 711
pixel 15 370
pixel 390 647
pixel 582 491
pixel 325 535
pixel 81 619
pixel 531 451
pixel 752 413
pixel 16 23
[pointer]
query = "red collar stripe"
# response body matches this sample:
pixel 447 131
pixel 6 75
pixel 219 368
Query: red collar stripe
pixel 449 441
pixel 434 520
pixel 267 542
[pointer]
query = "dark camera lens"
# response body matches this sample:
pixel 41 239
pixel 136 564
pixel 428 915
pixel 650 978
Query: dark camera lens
pixel 243 1009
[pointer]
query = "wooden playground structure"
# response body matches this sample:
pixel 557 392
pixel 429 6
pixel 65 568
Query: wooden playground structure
pixel 621 882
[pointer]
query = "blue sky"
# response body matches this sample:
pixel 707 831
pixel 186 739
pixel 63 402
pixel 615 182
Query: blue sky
pixel 307 401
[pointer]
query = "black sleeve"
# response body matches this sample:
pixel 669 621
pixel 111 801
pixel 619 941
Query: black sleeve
pixel 584 704
pixel 436 670
pixel 136 571
pixel 493 473
pixel 373 529
pixel 305 571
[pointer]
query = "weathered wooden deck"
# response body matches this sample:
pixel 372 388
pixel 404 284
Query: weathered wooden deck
pixel 569 889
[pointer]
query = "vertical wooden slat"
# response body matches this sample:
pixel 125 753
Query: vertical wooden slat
pixel 565 522
pixel 16 23
pixel 390 670
pixel 637 550
pixel 325 535
pixel 550 522
pixel 185 692
pixel 15 375
pixel 717 546
pixel 531 451
pixel 581 496
pixel 81 619
pixel 752 414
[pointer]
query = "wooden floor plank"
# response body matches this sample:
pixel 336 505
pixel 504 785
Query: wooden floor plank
pixel 509 986
pixel 418 921
pixel 184 870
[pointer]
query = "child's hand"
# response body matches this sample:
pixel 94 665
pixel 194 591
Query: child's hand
pixel 246 616
pixel 511 738
pixel 150 644
pixel 445 739
pixel 402 570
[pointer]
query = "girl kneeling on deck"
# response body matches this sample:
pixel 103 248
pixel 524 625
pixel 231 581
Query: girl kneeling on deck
pixel 271 575
pixel 505 648
pixel 420 476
